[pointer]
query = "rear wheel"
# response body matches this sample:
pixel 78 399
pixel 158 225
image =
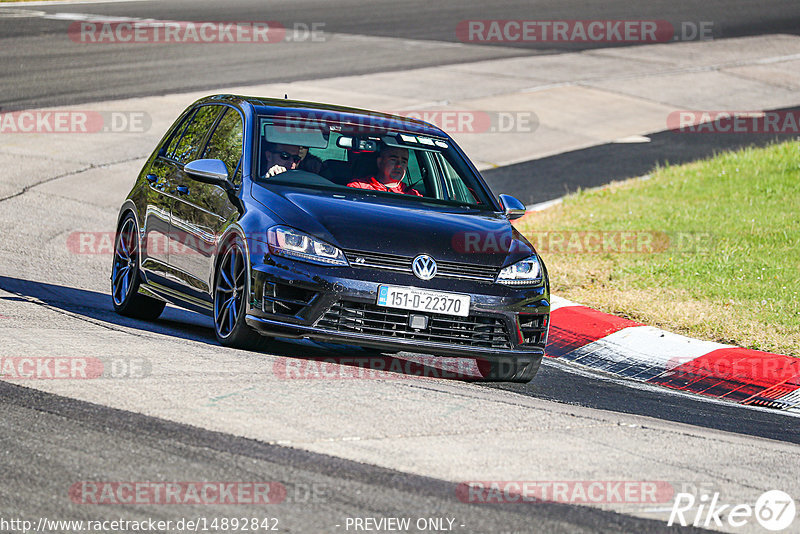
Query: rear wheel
pixel 125 276
pixel 230 291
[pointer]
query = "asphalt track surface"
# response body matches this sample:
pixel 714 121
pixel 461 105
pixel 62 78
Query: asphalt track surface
pixel 40 66
pixel 556 381
pixel 74 437
pixel 50 441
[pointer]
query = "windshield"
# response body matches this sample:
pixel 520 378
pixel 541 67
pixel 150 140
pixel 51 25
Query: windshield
pixel 325 154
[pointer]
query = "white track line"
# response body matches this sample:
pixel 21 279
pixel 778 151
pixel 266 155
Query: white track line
pixel 56 3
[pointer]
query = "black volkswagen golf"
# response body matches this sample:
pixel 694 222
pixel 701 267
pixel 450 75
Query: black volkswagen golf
pixel 293 219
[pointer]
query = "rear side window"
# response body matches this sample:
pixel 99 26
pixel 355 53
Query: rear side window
pixel 226 142
pixel 169 150
pixel 194 134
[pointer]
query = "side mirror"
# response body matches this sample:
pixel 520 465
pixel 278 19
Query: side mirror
pixel 210 171
pixel 513 208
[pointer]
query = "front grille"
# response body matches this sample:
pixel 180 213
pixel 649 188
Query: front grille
pixel 473 331
pixel 445 269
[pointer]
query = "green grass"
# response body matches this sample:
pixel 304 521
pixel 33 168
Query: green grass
pixel 742 281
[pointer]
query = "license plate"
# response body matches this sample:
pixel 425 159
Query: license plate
pixel 411 298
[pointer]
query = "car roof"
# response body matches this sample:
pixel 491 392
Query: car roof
pixel 298 109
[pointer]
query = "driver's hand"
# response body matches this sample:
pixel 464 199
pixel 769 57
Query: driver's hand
pixel 274 170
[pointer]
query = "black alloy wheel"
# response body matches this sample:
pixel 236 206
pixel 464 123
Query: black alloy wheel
pixel 125 276
pixel 230 292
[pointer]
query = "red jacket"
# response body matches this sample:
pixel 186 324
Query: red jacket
pixel 371 183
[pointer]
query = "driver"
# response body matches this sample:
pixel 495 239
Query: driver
pixel 392 166
pixel 281 158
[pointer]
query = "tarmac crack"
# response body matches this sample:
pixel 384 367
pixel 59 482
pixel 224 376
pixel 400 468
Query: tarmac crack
pixel 70 173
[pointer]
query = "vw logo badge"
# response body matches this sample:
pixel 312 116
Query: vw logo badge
pixel 424 267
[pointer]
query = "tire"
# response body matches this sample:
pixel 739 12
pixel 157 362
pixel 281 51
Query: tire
pixel 230 290
pixel 125 276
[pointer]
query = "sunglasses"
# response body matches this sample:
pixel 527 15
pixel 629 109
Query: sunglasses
pixel 285 156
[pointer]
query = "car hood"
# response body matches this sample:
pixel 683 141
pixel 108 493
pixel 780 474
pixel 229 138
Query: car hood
pixel 374 223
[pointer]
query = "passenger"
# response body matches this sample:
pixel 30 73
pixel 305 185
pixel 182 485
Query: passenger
pixel 280 158
pixel 392 165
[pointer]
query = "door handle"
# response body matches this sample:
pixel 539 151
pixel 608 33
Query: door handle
pixel 183 190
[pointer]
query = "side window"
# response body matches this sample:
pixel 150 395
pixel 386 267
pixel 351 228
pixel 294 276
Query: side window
pixel 226 142
pixel 169 150
pixel 414 176
pixel 195 132
pixel 458 189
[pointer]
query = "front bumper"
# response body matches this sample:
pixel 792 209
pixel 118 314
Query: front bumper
pixel 282 329
pixel 294 299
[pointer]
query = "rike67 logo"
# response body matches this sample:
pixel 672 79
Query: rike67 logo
pixel 774 510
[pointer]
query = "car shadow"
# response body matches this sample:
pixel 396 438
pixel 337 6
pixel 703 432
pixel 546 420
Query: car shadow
pixel 552 177
pixel 98 307
pixel 313 360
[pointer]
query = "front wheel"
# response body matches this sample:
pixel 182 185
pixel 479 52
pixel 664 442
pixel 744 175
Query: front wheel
pixel 125 276
pixel 230 291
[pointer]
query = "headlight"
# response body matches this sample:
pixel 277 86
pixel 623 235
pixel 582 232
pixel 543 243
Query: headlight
pixel 524 272
pixel 286 241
